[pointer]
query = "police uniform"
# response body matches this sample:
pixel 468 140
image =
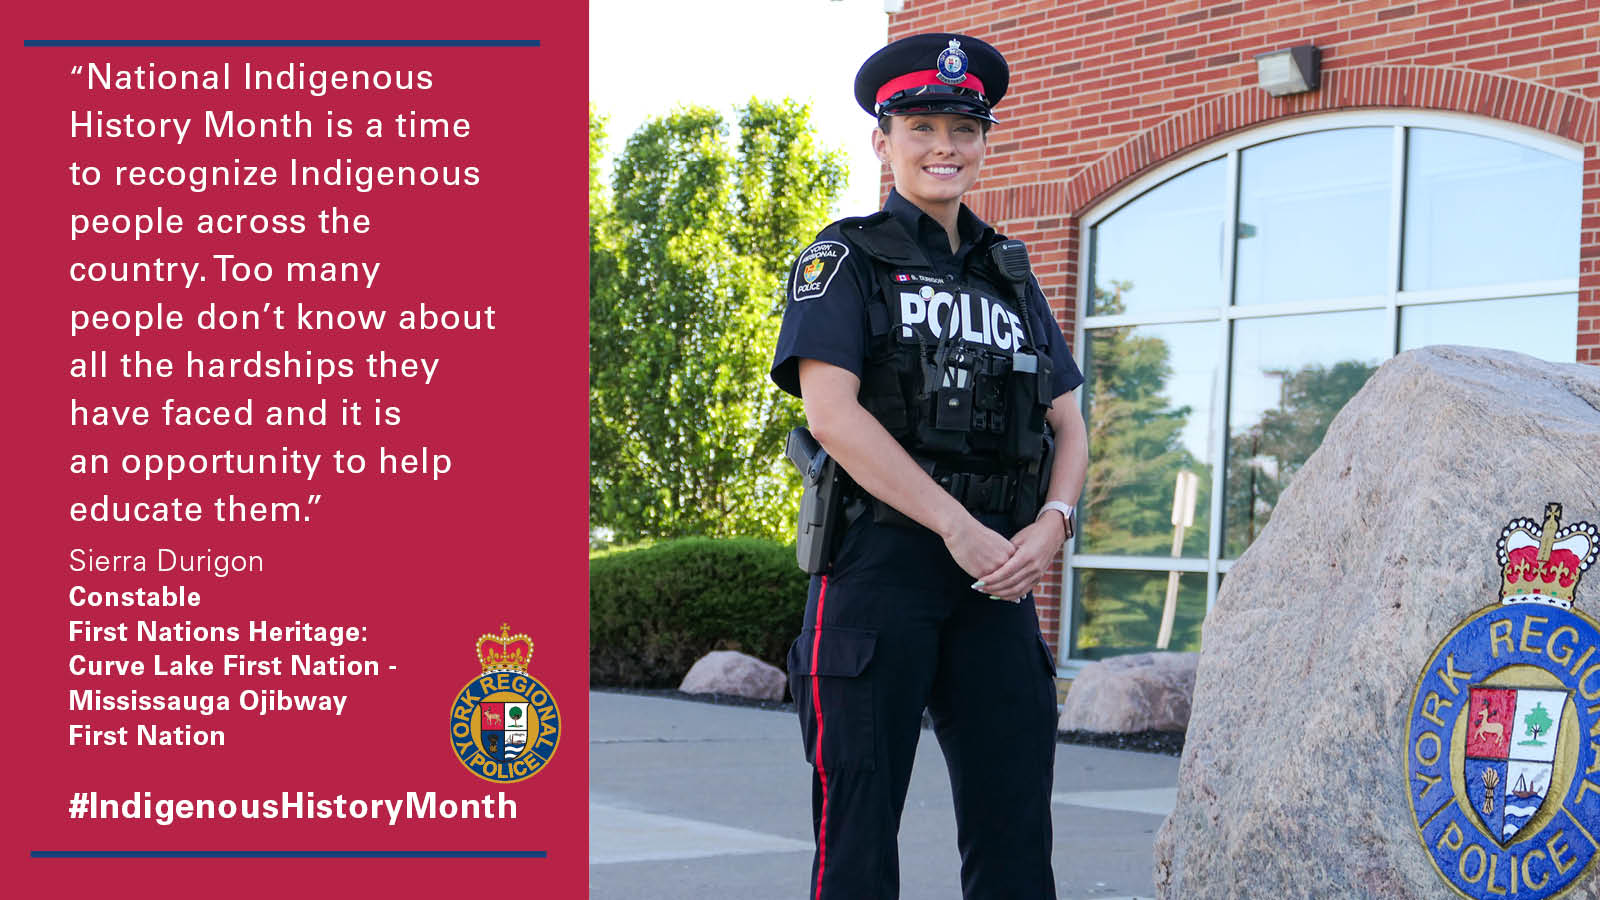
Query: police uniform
pixel 894 626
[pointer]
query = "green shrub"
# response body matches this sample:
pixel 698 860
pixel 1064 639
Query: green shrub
pixel 655 610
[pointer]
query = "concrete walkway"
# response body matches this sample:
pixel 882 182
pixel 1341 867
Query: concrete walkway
pixel 689 801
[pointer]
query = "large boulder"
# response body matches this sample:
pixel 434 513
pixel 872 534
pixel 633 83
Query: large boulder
pixel 732 672
pixel 1293 781
pixel 1126 694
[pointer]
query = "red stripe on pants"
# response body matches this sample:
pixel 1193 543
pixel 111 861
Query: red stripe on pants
pixel 822 774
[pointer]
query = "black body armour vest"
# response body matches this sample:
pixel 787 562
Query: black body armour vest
pixel 955 373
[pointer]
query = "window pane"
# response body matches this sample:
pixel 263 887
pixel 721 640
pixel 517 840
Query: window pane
pixel 1486 211
pixel 1150 419
pixel 1546 327
pixel 1117 612
pixel 1163 251
pixel 1314 216
pixel 1291 374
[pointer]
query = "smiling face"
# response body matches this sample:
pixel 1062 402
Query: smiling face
pixel 935 158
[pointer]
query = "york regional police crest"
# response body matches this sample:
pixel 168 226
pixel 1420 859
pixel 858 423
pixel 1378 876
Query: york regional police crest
pixel 1503 752
pixel 504 725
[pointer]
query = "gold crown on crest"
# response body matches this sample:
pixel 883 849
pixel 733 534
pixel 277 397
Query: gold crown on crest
pixel 1543 564
pixel 505 652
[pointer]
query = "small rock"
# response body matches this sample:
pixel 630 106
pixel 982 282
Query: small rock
pixel 1137 692
pixel 732 672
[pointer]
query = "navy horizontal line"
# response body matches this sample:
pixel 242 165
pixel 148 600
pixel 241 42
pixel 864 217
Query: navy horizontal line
pixel 287 854
pixel 275 43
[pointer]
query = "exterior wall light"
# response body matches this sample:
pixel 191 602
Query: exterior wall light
pixel 1292 70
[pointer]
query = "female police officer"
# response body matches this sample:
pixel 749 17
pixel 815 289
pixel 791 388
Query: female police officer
pixel 929 364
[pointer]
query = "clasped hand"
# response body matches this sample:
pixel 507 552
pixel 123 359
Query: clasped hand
pixel 1006 569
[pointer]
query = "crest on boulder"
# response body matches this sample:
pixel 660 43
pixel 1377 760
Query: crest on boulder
pixel 1503 781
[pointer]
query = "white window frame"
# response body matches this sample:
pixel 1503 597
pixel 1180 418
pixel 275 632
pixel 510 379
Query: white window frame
pixel 1230 148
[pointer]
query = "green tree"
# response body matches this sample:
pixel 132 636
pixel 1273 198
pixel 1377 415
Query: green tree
pixel 1537 722
pixel 689 253
pixel 1136 451
pixel 1263 457
pixel 1135 443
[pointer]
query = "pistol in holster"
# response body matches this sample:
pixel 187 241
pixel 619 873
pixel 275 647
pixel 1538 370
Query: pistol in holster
pixel 821 503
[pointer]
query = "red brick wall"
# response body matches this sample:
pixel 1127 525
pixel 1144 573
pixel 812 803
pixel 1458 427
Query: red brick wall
pixel 1102 91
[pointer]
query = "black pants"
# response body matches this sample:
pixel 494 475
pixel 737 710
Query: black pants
pixel 893 629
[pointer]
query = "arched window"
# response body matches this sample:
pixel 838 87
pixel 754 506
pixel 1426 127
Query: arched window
pixel 1237 298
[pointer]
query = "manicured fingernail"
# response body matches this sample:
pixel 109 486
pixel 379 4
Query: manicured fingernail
pixel 977 585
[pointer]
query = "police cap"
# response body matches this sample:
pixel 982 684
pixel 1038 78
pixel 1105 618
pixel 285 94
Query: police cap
pixel 933 73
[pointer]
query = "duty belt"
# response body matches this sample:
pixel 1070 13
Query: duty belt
pixel 979 492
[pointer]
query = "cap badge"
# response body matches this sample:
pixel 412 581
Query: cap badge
pixel 953 64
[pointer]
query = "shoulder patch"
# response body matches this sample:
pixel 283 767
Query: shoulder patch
pixel 815 268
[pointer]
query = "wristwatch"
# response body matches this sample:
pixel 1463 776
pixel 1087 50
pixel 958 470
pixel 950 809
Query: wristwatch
pixel 1066 510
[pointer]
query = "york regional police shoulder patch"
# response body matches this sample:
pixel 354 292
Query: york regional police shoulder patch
pixel 504 725
pixel 1503 750
pixel 815 268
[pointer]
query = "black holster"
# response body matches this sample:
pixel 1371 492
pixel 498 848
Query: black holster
pixel 821 502
pixel 1034 485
